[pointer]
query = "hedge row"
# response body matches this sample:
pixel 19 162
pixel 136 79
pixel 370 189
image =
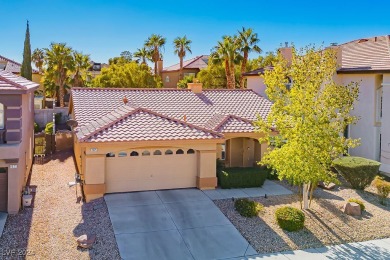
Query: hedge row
pixel 242 177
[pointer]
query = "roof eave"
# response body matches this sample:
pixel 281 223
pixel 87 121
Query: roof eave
pixel 362 71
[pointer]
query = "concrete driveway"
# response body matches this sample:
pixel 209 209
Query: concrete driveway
pixel 173 224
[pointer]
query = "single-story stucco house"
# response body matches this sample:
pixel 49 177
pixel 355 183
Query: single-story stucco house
pixel 366 61
pixel 171 75
pixel 15 67
pixel 150 139
pixel 16 138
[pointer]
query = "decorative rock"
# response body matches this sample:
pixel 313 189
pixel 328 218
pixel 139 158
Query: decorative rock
pixel 86 241
pixel 329 186
pixel 352 209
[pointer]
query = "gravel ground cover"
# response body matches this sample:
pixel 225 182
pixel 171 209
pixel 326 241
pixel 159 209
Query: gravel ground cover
pixel 325 223
pixel 48 230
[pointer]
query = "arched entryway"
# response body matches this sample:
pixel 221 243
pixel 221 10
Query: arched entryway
pixel 241 152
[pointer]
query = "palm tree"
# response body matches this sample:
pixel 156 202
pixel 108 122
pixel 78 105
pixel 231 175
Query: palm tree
pixel 248 41
pixel 182 45
pixel 142 55
pixel 155 43
pixel 227 53
pixel 60 64
pixel 38 57
pixel 81 65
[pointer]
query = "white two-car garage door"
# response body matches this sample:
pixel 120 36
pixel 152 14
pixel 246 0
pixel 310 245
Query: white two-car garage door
pixel 150 169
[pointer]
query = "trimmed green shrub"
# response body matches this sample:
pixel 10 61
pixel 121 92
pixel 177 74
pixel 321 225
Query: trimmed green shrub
pixel 242 177
pixel 36 128
pixel 49 128
pixel 383 188
pixel 357 201
pixel 289 218
pixel 248 208
pixel 272 174
pixel 358 171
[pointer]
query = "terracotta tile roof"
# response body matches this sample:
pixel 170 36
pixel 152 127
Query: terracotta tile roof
pixel 10 81
pixel 137 124
pixel 198 62
pixel 370 54
pixel 258 71
pixel 13 66
pixel 207 113
pixel 235 124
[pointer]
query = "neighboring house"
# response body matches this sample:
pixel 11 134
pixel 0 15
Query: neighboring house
pixel 16 137
pixel 15 67
pixel 366 61
pixel 149 139
pixel 255 82
pixel 96 69
pixel 170 75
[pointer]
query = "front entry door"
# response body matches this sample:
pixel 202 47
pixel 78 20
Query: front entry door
pixel 3 189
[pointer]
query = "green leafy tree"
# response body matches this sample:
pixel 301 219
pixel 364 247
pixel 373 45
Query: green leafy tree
pixel 226 52
pixel 310 117
pixel 142 55
pixel 38 57
pixel 60 65
pixel 155 44
pixel 262 61
pixel 183 83
pixel 80 69
pixel 26 70
pixel 214 76
pixel 129 75
pixel 118 60
pixel 247 41
pixel 126 55
pixel 182 45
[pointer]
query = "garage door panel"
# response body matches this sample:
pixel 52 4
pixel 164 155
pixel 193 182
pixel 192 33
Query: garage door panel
pixel 152 172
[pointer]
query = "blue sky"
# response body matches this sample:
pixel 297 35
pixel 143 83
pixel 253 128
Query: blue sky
pixel 105 28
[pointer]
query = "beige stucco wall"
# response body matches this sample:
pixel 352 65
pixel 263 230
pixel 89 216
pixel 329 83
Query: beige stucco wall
pixel 365 128
pixel 256 83
pixel 174 77
pixel 385 125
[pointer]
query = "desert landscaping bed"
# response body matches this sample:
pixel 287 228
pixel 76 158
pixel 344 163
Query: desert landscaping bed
pixel 325 222
pixel 48 230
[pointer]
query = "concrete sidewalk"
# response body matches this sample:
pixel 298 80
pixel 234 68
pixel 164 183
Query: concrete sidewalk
pixel 374 249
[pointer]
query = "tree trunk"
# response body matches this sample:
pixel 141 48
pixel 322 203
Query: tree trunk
pixel 305 194
pixel 181 68
pixel 243 69
pixel 232 76
pixel 62 94
pixel 44 96
pixel 227 72
pixel 155 68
